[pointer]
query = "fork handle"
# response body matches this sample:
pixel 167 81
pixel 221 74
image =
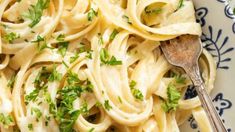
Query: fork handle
pixel 214 118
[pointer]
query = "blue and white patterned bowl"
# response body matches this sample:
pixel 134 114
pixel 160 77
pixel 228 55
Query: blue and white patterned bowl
pixel 218 25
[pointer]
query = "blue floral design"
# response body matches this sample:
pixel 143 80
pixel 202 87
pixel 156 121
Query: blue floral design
pixel 190 93
pixel 222 105
pixel 217 49
pixel 228 12
pixel 201 14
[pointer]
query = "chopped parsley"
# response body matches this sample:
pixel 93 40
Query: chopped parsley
pixel 11 82
pixel 6 120
pixel 48 118
pixel 35 12
pixel 37 112
pixel 180 79
pixel 91 14
pixel 113 34
pixel 65 64
pixel 41 78
pixel 89 54
pixel 32 96
pixel 55 75
pixel 181 4
pixel 104 57
pixel 107 106
pixel 10 37
pixel 98 104
pixel 101 40
pixel 119 99
pixel 41 43
pixel 73 58
pixel 136 92
pixel 126 18
pixel 63 46
pixel 30 127
pixel 67 117
pixel 173 97
pixel 91 130
pixel 60 37
pixel 148 10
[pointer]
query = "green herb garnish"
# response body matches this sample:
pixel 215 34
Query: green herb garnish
pixel 113 34
pixel 10 37
pixel 104 57
pixel 36 11
pixel 107 106
pixel 119 99
pixel 101 40
pixel 73 58
pixel 91 14
pixel 63 46
pixel 6 120
pixel 91 130
pixel 37 112
pixel 60 37
pixel 55 75
pixel 136 92
pixel 181 4
pixel 126 18
pixel 173 97
pixel 32 96
pixel 152 11
pixel 30 127
pixel 41 43
pixel 11 82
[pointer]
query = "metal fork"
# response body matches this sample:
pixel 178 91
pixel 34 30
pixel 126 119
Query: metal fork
pixel 184 52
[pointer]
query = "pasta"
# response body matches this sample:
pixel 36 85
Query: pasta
pixel 95 65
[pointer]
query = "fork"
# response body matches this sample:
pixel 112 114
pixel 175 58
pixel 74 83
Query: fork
pixel 184 51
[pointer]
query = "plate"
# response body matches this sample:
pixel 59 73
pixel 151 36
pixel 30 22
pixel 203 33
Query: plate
pixel 218 25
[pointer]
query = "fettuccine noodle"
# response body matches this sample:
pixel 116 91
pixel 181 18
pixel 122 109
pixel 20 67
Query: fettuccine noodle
pixel 96 65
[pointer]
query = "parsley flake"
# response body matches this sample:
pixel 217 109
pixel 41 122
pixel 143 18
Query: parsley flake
pixel 32 96
pixel 104 57
pixel 136 92
pixel 55 75
pixel 37 112
pixel 73 58
pixel 6 120
pixel 63 46
pixel 148 10
pixel 41 43
pixel 101 40
pixel 91 14
pixel 35 12
pixel 91 130
pixel 10 37
pixel 11 82
pixel 113 34
pixel 107 106
pixel 126 18
pixel 60 37
pixel 119 99
pixel 181 4
pixel 173 97
pixel 30 127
